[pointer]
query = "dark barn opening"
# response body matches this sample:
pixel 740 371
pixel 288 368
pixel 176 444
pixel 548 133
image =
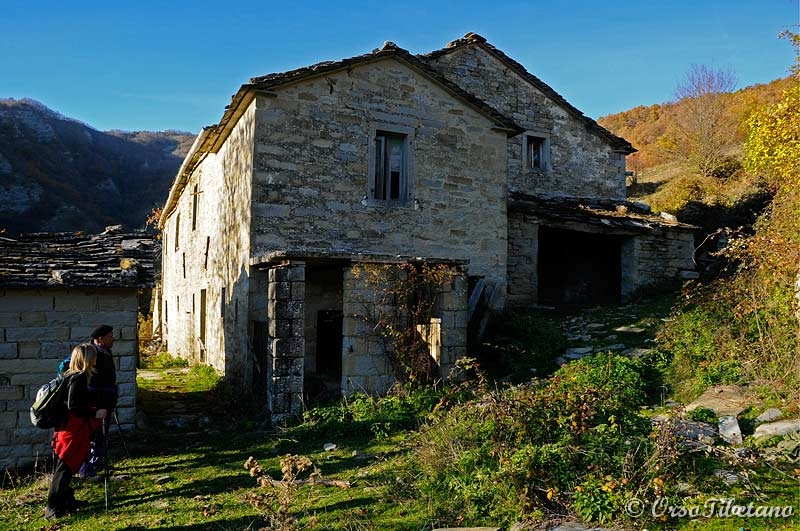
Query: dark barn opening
pixel 578 268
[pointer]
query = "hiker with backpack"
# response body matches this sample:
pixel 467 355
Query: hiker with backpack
pixel 71 439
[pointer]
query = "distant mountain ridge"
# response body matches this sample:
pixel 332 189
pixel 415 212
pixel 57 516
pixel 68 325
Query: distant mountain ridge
pixel 59 174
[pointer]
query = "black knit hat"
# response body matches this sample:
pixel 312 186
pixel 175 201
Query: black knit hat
pixel 101 330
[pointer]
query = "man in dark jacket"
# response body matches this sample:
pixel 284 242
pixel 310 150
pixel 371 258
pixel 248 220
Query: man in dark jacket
pixel 104 382
pixel 103 392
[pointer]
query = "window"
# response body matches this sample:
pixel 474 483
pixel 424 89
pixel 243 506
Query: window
pixel 203 310
pixel 391 166
pixel 177 230
pixel 536 151
pixel 194 208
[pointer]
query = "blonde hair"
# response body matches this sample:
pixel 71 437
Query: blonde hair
pixel 83 359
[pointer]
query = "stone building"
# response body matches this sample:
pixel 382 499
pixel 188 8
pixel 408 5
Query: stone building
pixel 460 157
pixel 54 290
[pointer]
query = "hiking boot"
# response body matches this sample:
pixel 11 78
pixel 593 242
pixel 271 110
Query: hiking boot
pixel 72 505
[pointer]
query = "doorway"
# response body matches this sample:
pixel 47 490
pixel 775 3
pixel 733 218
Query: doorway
pixel 578 269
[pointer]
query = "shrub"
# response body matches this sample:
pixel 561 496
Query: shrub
pixel 403 408
pixel 523 450
pixel 526 342
pixel 699 346
pixel 702 414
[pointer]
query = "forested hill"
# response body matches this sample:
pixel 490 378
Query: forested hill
pixel 58 174
pixel 655 129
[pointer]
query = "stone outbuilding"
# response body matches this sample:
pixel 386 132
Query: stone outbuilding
pixel 458 157
pixel 55 288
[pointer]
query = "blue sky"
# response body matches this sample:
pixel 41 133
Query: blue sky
pixel 173 64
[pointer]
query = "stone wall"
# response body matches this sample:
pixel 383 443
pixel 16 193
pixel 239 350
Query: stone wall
pixel 312 143
pixel 523 253
pixel 206 248
pixel 660 255
pixel 38 329
pixel 365 367
pixel 582 163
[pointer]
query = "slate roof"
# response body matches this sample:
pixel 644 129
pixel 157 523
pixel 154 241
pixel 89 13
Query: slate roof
pixel 112 259
pixel 622 217
pixel 475 39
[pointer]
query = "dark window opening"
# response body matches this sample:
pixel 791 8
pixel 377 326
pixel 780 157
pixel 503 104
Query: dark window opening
pixel 537 152
pixel 391 166
pixel 194 208
pixel 329 343
pixel 177 231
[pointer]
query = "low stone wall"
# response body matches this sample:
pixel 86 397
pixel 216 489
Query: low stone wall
pixel 365 367
pixel 38 328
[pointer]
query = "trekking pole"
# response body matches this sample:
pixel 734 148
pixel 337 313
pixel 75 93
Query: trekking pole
pixel 108 461
pixel 121 436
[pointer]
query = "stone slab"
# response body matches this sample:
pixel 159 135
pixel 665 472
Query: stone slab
pixel 776 429
pixel 723 400
pixel 768 415
pixel 629 329
pixel 729 430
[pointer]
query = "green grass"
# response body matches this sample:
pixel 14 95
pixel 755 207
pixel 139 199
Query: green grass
pixel 193 478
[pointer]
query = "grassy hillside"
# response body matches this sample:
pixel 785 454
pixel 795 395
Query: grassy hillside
pixel 649 128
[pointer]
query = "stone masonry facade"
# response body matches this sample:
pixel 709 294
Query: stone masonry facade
pixel 39 328
pixel 583 162
pixel 277 203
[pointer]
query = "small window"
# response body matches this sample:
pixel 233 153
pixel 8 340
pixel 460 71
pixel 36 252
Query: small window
pixel 536 152
pixel 391 166
pixel 194 207
pixel 177 230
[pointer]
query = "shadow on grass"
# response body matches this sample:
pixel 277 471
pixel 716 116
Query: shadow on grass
pixel 236 523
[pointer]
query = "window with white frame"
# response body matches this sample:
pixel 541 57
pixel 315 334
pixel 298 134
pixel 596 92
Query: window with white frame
pixel 391 169
pixel 536 151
